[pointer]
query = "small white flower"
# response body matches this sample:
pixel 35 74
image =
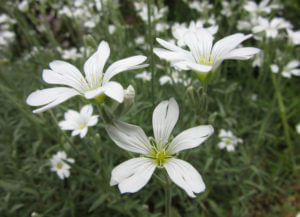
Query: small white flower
pixel 23 5
pixel 111 29
pixel 175 77
pixel 290 69
pixel 272 27
pixel 161 27
pixel 262 7
pixel 145 76
pixel 228 140
pixel 298 128
pixel 95 85
pixel 202 6
pixel 79 121
pixel 60 164
pixel 156 13
pixel 258 60
pixel 179 30
pixel 294 36
pixel 160 151
pixel 202 57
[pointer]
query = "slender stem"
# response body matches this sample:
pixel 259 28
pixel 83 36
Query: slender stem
pixel 283 119
pixel 168 196
pixel 150 40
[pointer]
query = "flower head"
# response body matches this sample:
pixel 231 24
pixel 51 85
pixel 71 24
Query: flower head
pixel 95 85
pixel 228 140
pixel 79 121
pixel 292 68
pixel 202 56
pixel 60 164
pixel 159 151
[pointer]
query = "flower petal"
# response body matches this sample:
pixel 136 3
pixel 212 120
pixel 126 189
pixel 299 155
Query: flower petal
pixel 242 53
pixel 114 90
pixel 191 138
pixel 133 174
pixel 185 176
pixel 123 65
pixel 129 137
pixel 94 93
pixel 94 65
pixel 64 73
pixel 50 96
pixel 164 118
pixel 86 110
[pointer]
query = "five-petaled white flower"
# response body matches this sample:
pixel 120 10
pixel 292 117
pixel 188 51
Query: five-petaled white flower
pixel 228 140
pixel 95 85
pixel 59 164
pixel 79 121
pixel 203 57
pixel 290 69
pixel 160 151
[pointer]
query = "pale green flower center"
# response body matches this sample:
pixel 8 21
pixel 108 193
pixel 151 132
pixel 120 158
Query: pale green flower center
pixel 81 126
pixel 159 153
pixel 227 141
pixel 59 165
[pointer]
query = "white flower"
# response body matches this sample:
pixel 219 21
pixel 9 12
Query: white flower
pixel 202 57
pixel 95 84
pixel 59 164
pixel 79 121
pixel 202 6
pixel 111 29
pixel 161 27
pixel 23 6
pixel 160 151
pixel 298 128
pixel 145 76
pixel 179 30
pixel 262 7
pixel 175 77
pixel 156 13
pixel 228 140
pixel 290 69
pixel 272 27
pixel 6 37
pixel 294 36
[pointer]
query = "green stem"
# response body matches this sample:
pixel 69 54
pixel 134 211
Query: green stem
pixel 150 40
pixel 284 119
pixel 168 196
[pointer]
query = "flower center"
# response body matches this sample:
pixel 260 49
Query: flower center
pixel 59 165
pixel 81 126
pixel 206 61
pixel 159 153
pixel 227 141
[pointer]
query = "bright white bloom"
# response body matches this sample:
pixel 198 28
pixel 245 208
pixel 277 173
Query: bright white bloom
pixel 228 140
pixel 142 9
pixel 262 7
pixel 145 76
pixel 298 128
pixel 161 27
pixel 95 84
pixel 160 151
pixel 226 9
pixel 294 36
pixel 272 27
pixel 292 68
pixel 111 29
pixel 202 6
pixel 202 57
pixel 60 164
pixel 179 30
pixel 6 37
pixel 79 121
pixel 175 77
pixel 23 5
